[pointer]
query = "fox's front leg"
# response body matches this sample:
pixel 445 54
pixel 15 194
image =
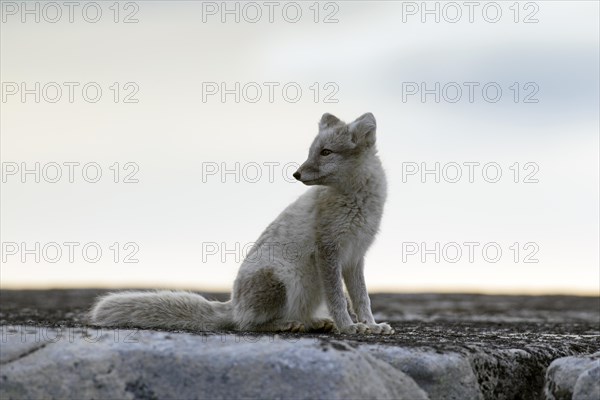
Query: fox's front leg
pixel 331 273
pixel 354 278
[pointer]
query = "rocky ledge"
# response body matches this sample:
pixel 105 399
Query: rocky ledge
pixel 445 347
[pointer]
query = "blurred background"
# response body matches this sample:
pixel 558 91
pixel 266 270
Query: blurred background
pixel 149 143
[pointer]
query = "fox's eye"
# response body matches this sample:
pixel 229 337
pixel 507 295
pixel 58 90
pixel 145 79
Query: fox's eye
pixel 326 152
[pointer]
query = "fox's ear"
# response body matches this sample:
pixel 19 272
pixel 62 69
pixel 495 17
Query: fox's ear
pixel 328 120
pixel 363 130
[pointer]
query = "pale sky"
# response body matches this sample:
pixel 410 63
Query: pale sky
pixel 185 216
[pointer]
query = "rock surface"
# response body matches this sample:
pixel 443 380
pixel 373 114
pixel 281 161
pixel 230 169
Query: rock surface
pixel 445 347
pixel 158 365
pixel 576 378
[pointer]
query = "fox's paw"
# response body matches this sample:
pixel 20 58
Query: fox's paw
pixel 322 325
pixel 359 328
pixel 292 326
pixel 381 329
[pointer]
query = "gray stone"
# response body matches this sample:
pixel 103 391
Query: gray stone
pixel 159 365
pixel 573 378
pixel 442 376
pixel 587 386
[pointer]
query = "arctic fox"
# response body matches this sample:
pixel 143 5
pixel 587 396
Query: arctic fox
pixel 301 260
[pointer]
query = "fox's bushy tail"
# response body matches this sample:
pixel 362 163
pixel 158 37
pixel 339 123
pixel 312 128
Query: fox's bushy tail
pixel 162 309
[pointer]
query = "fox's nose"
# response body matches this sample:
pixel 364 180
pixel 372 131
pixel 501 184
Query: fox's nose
pixel 296 175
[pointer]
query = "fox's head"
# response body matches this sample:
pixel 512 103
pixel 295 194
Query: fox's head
pixel 339 151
